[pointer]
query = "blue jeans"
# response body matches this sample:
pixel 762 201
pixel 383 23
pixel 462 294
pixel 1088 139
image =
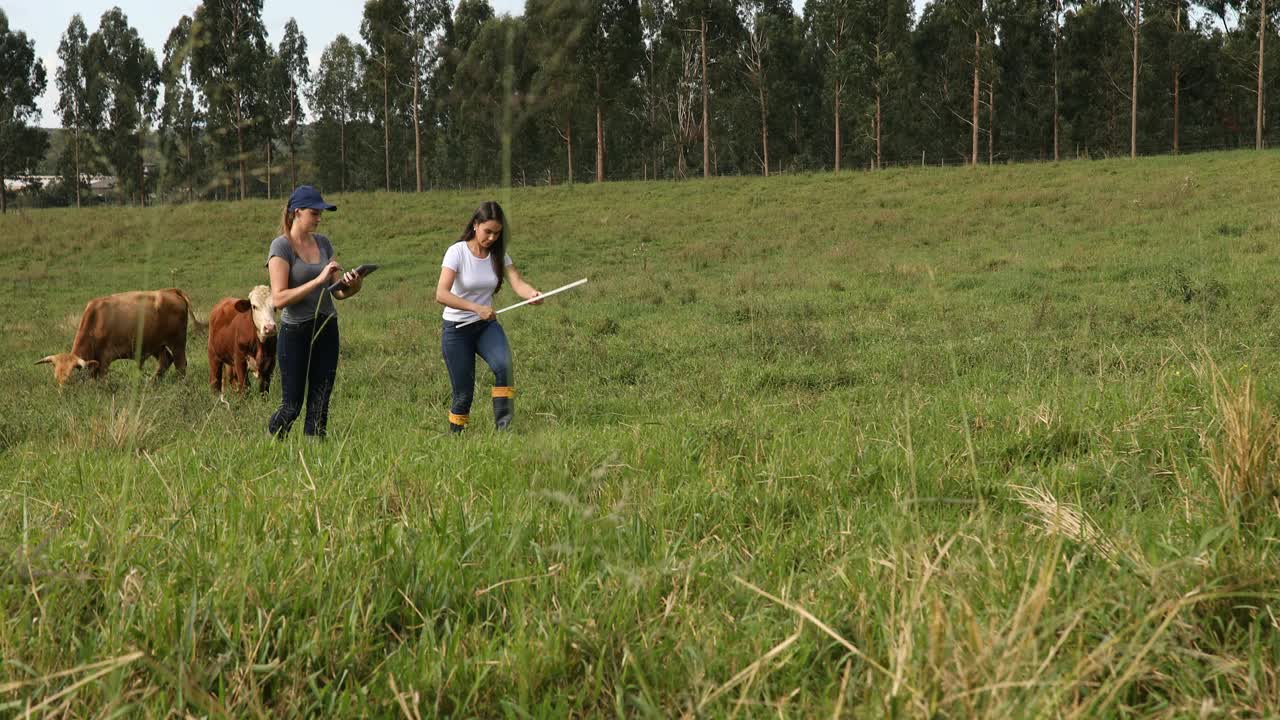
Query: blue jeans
pixel 307 354
pixel 460 347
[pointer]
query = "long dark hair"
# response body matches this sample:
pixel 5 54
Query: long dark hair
pixel 490 210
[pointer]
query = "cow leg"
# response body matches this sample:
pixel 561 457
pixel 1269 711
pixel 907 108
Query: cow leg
pixel 215 373
pixel 265 366
pixel 180 362
pixel 239 371
pixel 163 359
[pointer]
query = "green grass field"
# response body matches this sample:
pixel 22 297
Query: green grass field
pixel 921 443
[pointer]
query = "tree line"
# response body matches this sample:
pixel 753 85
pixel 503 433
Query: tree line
pixel 431 94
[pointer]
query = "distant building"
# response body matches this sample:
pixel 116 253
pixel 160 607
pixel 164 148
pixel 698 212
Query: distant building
pixel 99 184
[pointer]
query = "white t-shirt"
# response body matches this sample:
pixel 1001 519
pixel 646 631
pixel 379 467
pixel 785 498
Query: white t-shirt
pixel 475 280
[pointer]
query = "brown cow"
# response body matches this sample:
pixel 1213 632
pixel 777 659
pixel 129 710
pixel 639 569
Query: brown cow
pixel 242 332
pixel 110 327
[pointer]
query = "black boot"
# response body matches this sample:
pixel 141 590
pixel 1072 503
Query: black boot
pixel 504 407
pixel 457 423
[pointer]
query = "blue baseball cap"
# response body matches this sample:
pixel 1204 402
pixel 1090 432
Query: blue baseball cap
pixel 308 197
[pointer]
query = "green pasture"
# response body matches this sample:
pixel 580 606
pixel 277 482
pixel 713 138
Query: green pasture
pixel 941 443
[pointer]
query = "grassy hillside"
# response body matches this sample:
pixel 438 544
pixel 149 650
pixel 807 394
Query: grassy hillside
pixel 923 443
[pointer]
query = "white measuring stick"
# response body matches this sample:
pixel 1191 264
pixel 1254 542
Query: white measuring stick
pixel 548 294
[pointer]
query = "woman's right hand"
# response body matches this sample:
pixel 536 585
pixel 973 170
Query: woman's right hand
pixel 331 273
pixel 485 312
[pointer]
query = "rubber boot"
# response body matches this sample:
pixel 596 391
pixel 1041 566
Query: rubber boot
pixel 457 423
pixel 504 401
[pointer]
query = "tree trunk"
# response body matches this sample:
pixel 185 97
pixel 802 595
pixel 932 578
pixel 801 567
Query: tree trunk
pixel 4 191
pixel 837 121
pixel 189 175
pixel 991 122
pixel 568 143
pixel 1057 37
pixel 1177 75
pixel 142 171
pixel 977 58
pixel 764 123
pixel 1262 35
pixel 240 141
pixel 1133 97
pixel 417 133
pixel 706 107
pixel 879 119
pixel 293 140
pixel 76 140
pixel 342 135
pixel 268 169
pixel 599 131
pixel 386 120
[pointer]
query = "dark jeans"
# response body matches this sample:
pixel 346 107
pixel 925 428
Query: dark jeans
pixel 460 347
pixel 307 354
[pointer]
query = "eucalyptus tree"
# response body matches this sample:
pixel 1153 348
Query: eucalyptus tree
pixel 612 51
pixel 492 86
pixel 452 158
pixel 424 26
pixel 1134 20
pixel 336 101
pixel 557 31
pixel 830 25
pixel 1020 78
pixel 388 53
pixel 22 81
pixel 229 59
pixel 1095 69
pixel 883 37
pixel 182 121
pixel 123 97
pixel 296 71
pixel 768 60
pixel 73 98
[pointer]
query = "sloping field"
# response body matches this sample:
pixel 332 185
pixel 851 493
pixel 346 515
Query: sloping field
pixel 921 443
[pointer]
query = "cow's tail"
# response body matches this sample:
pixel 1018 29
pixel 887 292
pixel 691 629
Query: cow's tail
pixel 200 327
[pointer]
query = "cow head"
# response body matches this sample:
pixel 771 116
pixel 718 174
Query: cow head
pixel 264 312
pixel 64 364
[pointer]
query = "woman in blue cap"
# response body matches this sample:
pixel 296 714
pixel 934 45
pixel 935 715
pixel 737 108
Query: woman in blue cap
pixel 300 265
pixel 470 274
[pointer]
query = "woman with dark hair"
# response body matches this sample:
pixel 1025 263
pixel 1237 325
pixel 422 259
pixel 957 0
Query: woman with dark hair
pixel 470 275
pixel 300 266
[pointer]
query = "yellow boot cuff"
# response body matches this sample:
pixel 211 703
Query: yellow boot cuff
pixel 458 419
pixel 504 392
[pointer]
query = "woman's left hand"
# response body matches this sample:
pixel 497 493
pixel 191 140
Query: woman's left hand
pixel 353 280
pixel 535 297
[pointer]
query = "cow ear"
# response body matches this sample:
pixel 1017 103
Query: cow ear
pixel 46 359
pixel 243 305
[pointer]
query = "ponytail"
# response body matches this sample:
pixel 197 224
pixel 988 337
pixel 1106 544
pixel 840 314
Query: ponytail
pixel 286 221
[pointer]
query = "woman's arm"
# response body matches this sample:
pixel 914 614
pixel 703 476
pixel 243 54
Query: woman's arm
pixel 445 296
pixel 522 288
pixel 282 295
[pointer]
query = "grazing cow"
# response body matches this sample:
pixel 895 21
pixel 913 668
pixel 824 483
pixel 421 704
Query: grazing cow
pixel 138 324
pixel 243 333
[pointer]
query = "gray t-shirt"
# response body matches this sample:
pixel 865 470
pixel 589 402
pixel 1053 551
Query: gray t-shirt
pixel 301 272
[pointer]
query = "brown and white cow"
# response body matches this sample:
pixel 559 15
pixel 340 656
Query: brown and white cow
pixel 138 324
pixel 243 333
